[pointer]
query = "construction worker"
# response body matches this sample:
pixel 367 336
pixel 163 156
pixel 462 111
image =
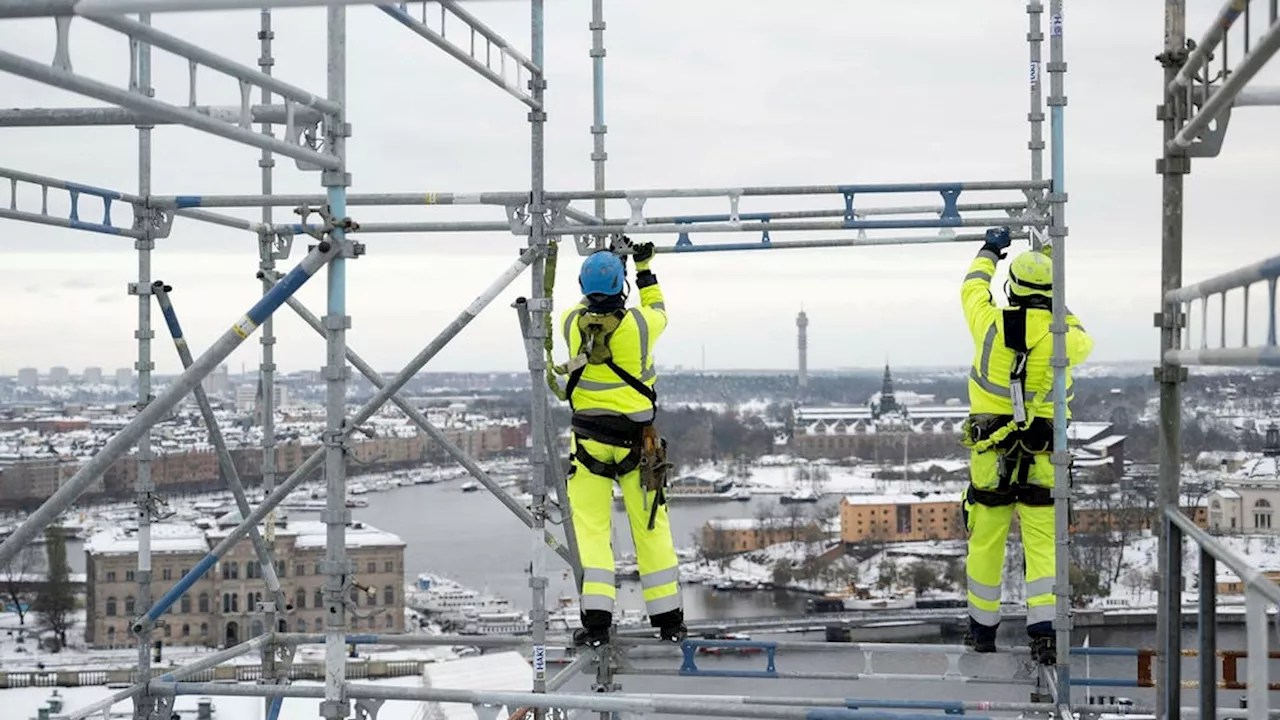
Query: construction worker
pixel 1010 436
pixel 611 392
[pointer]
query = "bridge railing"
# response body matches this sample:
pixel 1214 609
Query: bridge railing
pixel 1260 594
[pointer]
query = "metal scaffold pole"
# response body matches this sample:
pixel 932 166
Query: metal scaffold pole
pixel 1172 167
pixel 1035 116
pixel 146 499
pixel 539 307
pixel 337 566
pixel 598 128
pixel 266 371
pixel 1061 450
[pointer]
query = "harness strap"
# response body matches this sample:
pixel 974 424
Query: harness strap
pixel 1015 339
pixel 608 470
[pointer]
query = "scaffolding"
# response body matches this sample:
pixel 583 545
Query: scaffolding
pixel 1198 101
pixel 313 131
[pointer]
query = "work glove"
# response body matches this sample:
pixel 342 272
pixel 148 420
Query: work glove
pixel 643 255
pixel 997 242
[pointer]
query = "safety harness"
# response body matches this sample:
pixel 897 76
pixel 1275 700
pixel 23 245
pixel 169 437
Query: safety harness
pixel 1017 437
pixel 648 451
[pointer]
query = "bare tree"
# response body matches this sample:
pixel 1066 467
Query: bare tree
pixel 55 604
pixel 793 516
pixel 19 578
pixel 716 544
pixel 888 575
pixel 923 577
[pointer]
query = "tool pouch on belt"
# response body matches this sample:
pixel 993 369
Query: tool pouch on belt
pixel 653 470
pixel 1016 447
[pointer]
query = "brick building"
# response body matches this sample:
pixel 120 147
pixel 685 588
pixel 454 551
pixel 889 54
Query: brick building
pixel 220 608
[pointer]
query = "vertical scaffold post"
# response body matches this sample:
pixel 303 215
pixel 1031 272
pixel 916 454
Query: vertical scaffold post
pixel 1172 166
pixel 1035 116
pixel 140 76
pixel 598 128
pixel 266 366
pixel 539 307
pixel 1061 451
pixel 337 566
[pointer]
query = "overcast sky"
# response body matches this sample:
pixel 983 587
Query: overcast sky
pixel 699 94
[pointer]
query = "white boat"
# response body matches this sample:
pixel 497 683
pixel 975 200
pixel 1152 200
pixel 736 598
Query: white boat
pixel 887 603
pixel 438 595
pixel 567 616
pixel 497 623
pixel 470 486
pixel 742 495
pixel 801 495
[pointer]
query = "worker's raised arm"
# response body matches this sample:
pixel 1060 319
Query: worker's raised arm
pixel 975 291
pixel 652 304
pixel 1079 342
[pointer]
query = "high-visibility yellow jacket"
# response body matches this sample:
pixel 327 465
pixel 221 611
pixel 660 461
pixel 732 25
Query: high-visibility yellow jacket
pixel 989 376
pixel 600 391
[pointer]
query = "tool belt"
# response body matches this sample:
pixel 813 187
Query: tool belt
pixel 1016 447
pixel 648 453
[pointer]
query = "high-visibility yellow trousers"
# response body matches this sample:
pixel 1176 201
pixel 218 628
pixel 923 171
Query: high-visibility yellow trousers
pixel 988 528
pixel 591 503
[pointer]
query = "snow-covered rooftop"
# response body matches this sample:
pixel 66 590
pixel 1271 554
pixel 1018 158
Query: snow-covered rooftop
pixel 165 538
pixel 181 538
pixel 899 499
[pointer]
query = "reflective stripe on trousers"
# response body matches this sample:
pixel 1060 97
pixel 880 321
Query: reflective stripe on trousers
pixel 984 566
pixel 590 499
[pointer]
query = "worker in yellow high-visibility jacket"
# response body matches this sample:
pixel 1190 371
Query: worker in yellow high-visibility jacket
pixel 1010 436
pixel 611 393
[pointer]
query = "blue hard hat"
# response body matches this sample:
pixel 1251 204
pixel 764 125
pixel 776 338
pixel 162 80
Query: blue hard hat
pixel 602 274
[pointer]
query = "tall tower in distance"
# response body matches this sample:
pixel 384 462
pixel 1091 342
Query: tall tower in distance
pixel 802 331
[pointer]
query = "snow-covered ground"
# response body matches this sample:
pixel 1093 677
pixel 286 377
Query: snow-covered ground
pixel 1135 586
pixel 780 474
pixel 18 656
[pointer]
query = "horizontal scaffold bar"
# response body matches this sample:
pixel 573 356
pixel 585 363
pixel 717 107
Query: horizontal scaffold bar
pixel 948 707
pixel 195 53
pixel 104 92
pixel 420 198
pixel 51 8
pixel 596 702
pixel 1264 356
pixel 834 212
pixel 68 223
pixel 867 189
pixel 799 225
pixel 515 86
pixel 90 117
pixel 770 244
pixel 1239 278
pixel 72 220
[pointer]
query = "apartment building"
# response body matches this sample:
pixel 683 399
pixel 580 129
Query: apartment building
pixel 220 609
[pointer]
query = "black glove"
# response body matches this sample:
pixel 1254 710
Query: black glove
pixel 997 241
pixel 643 254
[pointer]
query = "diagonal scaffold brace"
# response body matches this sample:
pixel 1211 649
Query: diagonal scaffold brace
pixel 158 408
pixel 459 455
pixel 266 556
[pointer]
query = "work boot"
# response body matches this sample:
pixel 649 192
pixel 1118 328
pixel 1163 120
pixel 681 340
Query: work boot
pixel 1044 649
pixel 592 637
pixel 595 628
pixel 670 626
pixel 981 638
